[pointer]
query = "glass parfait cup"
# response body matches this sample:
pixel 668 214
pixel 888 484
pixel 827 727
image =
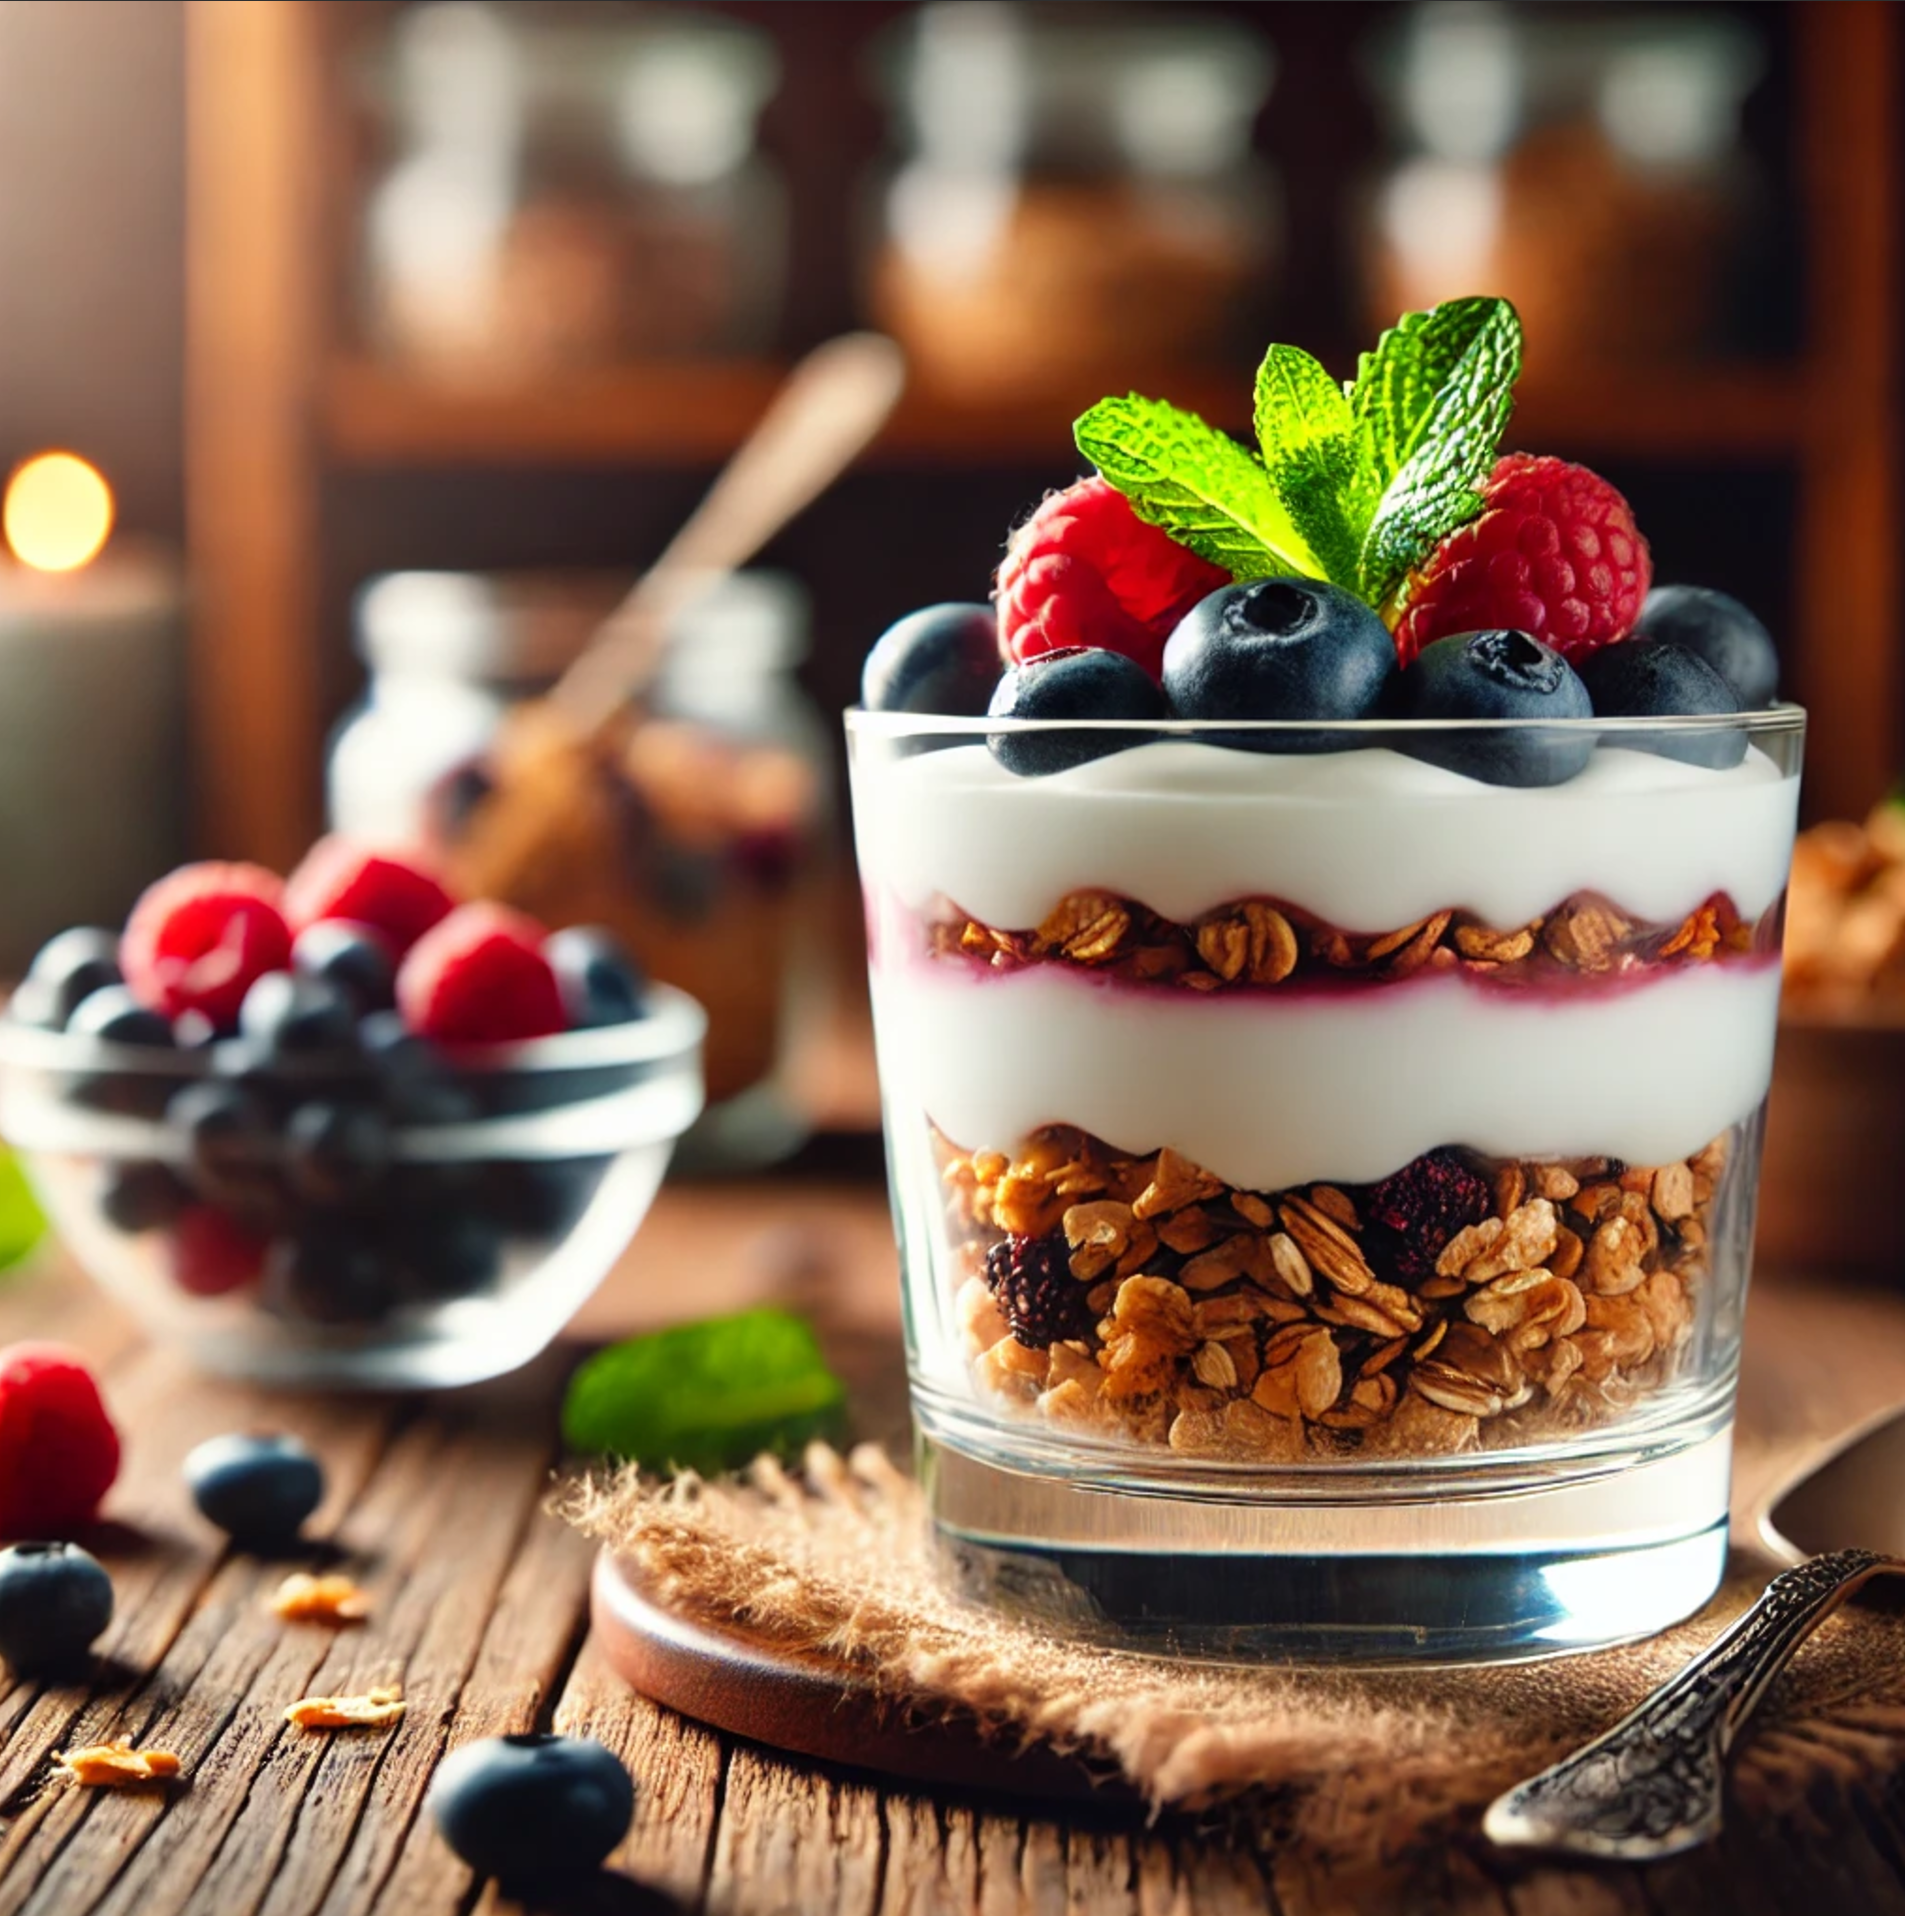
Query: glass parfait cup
pixel 1324 1178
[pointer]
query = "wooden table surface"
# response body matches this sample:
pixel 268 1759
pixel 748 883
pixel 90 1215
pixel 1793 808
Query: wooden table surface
pixel 436 1505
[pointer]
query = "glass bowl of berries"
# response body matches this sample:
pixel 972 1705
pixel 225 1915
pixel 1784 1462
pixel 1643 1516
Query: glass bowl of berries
pixel 1324 924
pixel 342 1130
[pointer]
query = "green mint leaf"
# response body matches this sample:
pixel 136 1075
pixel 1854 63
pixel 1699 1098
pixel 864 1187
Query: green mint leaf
pixel 1196 483
pixel 1307 434
pixel 22 1223
pixel 709 1396
pixel 1449 447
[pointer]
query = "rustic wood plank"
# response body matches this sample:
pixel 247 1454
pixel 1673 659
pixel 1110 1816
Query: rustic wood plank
pixel 932 1860
pixel 794 1839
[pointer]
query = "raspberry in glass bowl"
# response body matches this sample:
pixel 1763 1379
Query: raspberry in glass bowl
pixel 1324 1044
pixel 398 1148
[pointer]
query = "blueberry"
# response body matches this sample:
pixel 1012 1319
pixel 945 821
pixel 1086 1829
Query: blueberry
pixel 256 1487
pixel 1721 631
pixel 1279 649
pixel 288 1016
pixel 335 1153
pixel 227 1138
pixel 1077 683
pixel 352 957
pixel 450 1255
pixel 941 659
pixel 141 1196
pixel 1497 675
pixel 114 1016
pixel 599 982
pixel 415 1078
pixel 55 1599
pixel 1658 679
pixel 67 970
pixel 542 1200
pixel 534 1809
pixel 330 1274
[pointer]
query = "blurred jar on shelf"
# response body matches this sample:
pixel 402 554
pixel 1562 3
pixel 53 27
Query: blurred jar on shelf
pixel 697 827
pixel 1590 169
pixel 568 188
pixel 1077 191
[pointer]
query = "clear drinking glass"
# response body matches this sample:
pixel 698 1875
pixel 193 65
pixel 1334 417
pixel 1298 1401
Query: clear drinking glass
pixel 1325 1178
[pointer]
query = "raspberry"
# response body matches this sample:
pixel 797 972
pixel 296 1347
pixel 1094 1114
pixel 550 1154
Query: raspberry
pixel 201 937
pixel 1086 570
pixel 1554 553
pixel 58 1450
pixel 1031 1281
pixel 480 977
pixel 398 898
pixel 1421 1207
pixel 211 1253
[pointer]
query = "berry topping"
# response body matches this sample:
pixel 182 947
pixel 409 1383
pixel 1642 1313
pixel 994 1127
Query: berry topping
pixel 398 898
pixel 1497 675
pixel 1659 679
pixel 59 1452
pixel 352 957
pixel 256 1487
pixel 1031 1281
pixel 1278 649
pixel 67 971
pixel 1082 683
pixel 480 977
pixel 533 1809
pixel 212 1253
pixel 201 937
pixel 331 1274
pixel 114 1016
pixel 55 1601
pixel 287 1016
pixel 1085 570
pixel 1555 553
pixel 334 1153
pixel 943 658
pixel 225 1131
pixel 1422 1206
pixel 599 982
pixel 1721 631
pixel 140 1196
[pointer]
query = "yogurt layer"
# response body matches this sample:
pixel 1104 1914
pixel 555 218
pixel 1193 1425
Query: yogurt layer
pixel 1268 1092
pixel 1367 840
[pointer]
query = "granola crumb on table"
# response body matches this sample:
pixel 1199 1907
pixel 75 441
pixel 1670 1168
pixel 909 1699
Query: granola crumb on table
pixel 1279 1326
pixel 116 1765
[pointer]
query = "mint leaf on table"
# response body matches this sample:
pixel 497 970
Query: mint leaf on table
pixel 1307 434
pixel 707 1396
pixel 22 1223
pixel 1196 483
pixel 1430 404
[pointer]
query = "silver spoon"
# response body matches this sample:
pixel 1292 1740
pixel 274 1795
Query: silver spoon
pixel 1652 1786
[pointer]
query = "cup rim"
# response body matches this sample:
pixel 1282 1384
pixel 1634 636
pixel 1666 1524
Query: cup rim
pixel 1784 719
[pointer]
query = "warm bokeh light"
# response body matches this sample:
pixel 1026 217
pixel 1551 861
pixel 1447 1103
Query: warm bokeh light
pixel 58 512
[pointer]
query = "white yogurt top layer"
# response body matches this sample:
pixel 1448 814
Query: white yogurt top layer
pixel 1368 840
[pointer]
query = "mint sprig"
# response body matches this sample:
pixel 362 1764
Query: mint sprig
pixel 708 1396
pixel 1355 484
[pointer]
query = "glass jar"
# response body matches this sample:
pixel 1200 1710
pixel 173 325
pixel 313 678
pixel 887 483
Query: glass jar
pixel 696 828
pixel 564 192
pixel 1590 170
pixel 1077 187
pixel 1325 1179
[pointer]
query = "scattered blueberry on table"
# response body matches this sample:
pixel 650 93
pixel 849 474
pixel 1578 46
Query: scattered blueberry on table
pixel 258 1487
pixel 533 1810
pixel 55 1601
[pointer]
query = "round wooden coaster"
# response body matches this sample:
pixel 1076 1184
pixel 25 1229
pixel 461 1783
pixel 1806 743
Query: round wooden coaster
pixel 807 1704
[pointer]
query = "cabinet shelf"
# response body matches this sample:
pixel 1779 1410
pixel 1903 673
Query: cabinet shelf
pixel 695 412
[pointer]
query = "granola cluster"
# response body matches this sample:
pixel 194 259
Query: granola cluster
pixel 1278 1326
pixel 1258 942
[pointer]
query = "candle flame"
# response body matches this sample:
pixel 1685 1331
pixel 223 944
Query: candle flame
pixel 57 513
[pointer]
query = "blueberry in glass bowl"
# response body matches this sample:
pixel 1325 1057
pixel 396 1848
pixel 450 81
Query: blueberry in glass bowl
pixel 412 1197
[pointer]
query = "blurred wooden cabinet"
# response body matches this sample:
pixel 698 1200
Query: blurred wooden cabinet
pixel 278 402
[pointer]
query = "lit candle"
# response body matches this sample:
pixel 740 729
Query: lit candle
pixel 92 762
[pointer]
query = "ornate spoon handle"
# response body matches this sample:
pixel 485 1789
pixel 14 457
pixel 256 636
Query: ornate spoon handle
pixel 1651 1786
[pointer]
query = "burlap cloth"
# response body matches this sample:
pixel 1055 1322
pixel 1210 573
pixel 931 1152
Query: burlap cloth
pixel 1347 1767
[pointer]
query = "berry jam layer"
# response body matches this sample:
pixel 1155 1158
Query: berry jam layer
pixel 1257 943
pixel 1460 1303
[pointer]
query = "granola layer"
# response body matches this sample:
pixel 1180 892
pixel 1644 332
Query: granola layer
pixel 1257 943
pixel 1462 1304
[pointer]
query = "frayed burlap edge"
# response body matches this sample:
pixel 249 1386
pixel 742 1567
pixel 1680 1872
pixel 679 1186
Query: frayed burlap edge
pixel 833 1562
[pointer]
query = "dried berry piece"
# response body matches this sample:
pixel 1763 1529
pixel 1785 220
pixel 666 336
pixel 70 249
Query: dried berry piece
pixel 1031 1282
pixel 1415 1212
